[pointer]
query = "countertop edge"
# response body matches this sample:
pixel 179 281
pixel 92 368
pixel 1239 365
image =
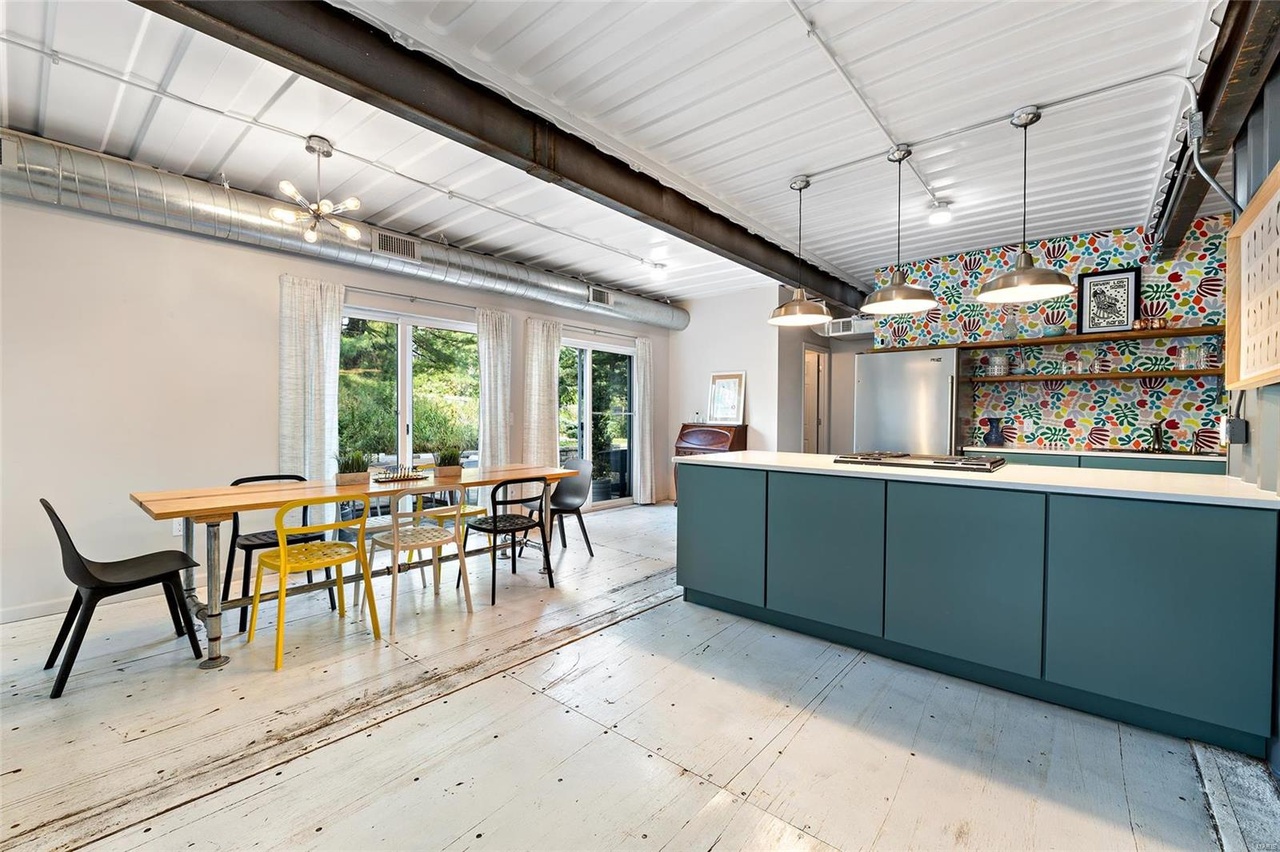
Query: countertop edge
pixel 1203 489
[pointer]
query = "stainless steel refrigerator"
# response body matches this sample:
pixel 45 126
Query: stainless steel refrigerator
pixel 906 402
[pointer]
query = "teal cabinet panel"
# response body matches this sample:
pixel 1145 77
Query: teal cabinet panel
pixel 964 573
pixel 720 533
pixel 1153 463
pixel 1166 605
pixel 826 550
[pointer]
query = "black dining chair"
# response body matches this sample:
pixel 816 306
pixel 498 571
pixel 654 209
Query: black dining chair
pixel 97 580
pixel 500 522
pixel 568 499
pixel 250 543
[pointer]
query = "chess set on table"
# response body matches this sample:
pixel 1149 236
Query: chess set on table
pixel 401 474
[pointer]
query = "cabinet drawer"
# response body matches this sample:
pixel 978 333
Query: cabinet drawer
pixel 964 573
pixel 721 532
pixel 1166 605
pixel 826 550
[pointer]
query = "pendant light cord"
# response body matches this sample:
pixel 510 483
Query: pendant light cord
pixel 898 263
pixel 317 201
pixel 1024 188
pixel 800 238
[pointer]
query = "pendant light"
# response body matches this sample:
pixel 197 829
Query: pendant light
pixel 322 209
pixel 1025 282
pixel 899 297
pixel 799 311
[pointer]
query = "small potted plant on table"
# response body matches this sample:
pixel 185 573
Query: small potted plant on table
pixel 353 468
pixel 448 461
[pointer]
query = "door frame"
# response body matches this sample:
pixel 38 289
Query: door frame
pixel 824 397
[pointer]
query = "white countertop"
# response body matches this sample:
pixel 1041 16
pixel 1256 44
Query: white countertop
pixel 1205 488
pixel 1207 457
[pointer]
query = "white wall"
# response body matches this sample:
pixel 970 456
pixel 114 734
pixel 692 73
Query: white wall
pixel 135 359
pixel 727 333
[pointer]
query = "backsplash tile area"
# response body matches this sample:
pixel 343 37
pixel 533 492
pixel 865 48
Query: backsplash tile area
pixel 1077 414
pixel 1072 413
pixel 1186 290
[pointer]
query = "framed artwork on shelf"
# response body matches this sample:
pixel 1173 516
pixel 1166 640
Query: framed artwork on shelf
pixel 724 400
pixel 1108 300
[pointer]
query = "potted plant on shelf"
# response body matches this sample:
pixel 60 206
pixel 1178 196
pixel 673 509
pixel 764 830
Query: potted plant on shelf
pixel 353 468
pixel 448 461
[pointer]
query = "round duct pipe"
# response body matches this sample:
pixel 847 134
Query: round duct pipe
pixel 53 173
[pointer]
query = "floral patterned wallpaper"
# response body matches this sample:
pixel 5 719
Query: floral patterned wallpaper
pixel 1076 414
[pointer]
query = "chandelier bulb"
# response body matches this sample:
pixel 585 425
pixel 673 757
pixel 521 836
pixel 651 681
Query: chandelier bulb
pixel 325 206
pixel 310 234
pixel 351 232
pixel 280 214
pixel 351 203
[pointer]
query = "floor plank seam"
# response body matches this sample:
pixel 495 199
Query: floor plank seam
pixel 360 727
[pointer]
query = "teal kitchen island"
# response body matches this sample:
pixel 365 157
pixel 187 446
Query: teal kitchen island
pixel 1147 597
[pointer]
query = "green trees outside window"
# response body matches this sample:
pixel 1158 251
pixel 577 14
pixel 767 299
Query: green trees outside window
pixel 446 388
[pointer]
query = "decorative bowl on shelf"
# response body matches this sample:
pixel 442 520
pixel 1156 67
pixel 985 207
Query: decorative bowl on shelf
pixel 1055 330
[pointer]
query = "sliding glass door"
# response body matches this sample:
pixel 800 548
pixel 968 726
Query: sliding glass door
pixel 596 416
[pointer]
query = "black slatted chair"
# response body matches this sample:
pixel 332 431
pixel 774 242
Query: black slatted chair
pixel 567 499
pixel 97 580
pixel 265 540
pixel 499 522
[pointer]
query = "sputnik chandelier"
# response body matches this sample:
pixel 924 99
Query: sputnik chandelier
pixel 322 210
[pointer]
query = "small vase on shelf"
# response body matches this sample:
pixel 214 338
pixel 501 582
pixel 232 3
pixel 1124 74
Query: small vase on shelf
pixel 994 437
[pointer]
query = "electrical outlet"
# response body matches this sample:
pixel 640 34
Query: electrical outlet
pixel 177 526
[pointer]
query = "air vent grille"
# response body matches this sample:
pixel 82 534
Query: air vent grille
pixel 601 296
pixel 395 245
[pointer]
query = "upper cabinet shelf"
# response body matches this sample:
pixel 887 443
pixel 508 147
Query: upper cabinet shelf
pixel 1072 339
pixel 1114 376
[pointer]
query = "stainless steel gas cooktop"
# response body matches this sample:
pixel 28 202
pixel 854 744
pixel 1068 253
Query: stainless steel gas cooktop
pixel 985 464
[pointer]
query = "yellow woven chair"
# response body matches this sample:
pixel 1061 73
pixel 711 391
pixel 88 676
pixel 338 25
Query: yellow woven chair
pixel 310 556
pixel 417 529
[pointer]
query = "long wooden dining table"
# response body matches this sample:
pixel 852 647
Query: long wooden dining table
pixel 213 506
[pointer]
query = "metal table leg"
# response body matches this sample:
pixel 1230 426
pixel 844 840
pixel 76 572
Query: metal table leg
pixel 214 657
pixel 189 575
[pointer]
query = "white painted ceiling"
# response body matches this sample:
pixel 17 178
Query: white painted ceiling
pixel 112 77
pixel 728 100
pixel 723 100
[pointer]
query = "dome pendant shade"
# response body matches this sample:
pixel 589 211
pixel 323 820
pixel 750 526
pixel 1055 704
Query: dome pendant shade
pixel 1024 283
pixel 899 297
pixel 799 311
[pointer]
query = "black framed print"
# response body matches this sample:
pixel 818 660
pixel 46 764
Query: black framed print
pixel 1108 301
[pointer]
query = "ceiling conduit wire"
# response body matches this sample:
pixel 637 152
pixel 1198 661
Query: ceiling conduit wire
pixel 813 33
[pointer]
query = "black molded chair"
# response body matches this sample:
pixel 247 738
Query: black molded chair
pixel 568 499
pixel 265 540
pixel 499 523
pixel 97 580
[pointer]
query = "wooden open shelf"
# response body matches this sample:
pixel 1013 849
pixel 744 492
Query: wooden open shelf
pixel 1112 376
pixel 1070 339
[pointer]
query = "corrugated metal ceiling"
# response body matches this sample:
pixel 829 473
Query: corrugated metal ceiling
pixel 726 101
pixel 113 77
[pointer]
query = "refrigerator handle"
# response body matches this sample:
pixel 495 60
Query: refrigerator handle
pixel 951 420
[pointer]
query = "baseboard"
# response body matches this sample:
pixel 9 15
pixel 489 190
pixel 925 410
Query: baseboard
pixel 58 606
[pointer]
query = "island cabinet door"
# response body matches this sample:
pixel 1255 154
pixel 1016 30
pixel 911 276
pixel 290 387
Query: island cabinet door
pixel 1166 605
pixel 826 549
pixel 720 532
pixel 964 573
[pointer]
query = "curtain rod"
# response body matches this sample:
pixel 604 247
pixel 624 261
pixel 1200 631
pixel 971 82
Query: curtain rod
pixel 430 301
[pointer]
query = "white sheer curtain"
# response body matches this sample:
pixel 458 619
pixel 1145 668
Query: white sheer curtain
pixel 310 332
pixel 642 406
pixel 494 343
pixel 541 392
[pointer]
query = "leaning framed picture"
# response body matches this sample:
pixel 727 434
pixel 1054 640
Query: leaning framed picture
pixel 724 401
pixel 1108 300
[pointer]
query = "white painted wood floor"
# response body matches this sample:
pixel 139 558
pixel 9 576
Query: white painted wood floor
pixel 606 713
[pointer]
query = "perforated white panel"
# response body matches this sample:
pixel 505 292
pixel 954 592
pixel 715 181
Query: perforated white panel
pixel 1259 294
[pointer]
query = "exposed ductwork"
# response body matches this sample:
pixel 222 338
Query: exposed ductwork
pixel 53 173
